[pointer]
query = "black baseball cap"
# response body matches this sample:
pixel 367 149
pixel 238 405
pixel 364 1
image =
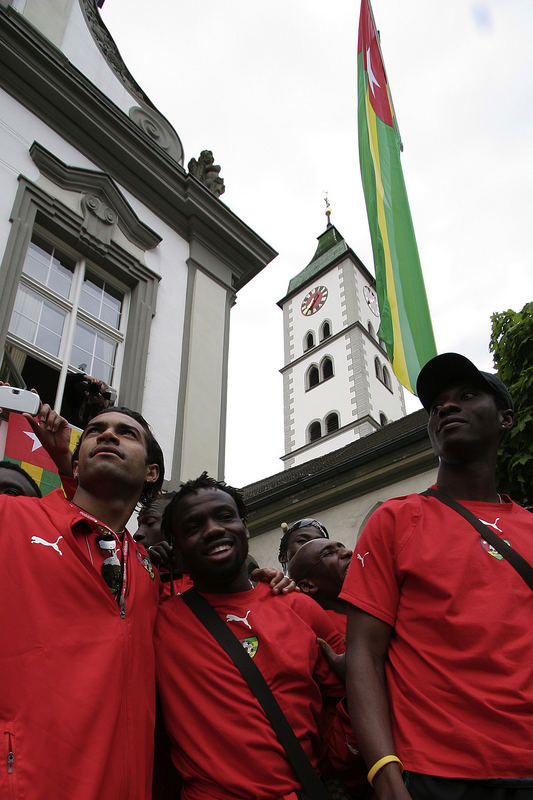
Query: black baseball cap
pixel 446 369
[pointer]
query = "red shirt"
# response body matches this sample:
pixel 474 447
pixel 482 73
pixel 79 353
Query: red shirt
pixel 460 660
pixel 221 742
pixel 77 708
pixel 338 620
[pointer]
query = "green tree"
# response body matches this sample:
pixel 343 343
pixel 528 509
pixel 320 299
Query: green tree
pixel 511 343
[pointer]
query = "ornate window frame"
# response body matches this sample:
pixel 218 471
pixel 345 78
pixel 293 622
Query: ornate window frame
pixel 103 207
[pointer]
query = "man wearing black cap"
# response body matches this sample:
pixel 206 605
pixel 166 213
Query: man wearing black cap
pixel 440 661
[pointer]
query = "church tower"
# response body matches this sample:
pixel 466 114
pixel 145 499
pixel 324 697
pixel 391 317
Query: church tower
pixel 338 384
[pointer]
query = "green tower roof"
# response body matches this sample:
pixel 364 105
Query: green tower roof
pixel 331 245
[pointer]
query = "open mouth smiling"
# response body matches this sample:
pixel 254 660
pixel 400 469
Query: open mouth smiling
pixel 220 547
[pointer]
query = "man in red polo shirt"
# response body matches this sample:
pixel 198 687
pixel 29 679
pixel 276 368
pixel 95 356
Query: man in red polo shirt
pixel 439 654
pixel 221 742
pixel 78 600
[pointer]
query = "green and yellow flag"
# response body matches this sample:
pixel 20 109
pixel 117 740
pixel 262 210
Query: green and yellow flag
pixel 405 321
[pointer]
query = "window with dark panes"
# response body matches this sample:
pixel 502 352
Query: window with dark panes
pixel 68 318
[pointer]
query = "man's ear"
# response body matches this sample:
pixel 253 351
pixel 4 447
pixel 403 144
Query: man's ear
pixel 75 465
pixel 246 529
pixel 152 473
pixel 507 418
pixel 307 586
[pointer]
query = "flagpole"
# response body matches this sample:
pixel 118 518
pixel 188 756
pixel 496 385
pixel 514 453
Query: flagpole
pixel 386 76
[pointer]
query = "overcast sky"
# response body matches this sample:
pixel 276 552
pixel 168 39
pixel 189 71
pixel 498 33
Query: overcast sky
pixel 271 89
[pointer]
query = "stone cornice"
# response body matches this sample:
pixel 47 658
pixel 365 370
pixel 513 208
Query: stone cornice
pixel 324 343
pixel 38 75
pixel 84 180
pixel 108 48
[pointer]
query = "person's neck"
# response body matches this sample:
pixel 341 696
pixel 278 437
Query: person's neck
pixel 239 583
pixel 113 512
pixel 473 481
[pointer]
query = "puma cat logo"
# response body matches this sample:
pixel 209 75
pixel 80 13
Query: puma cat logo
pixel 38 540
pixel 492 524
pixel 234 618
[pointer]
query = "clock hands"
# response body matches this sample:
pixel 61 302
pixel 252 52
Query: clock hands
pixel 314 300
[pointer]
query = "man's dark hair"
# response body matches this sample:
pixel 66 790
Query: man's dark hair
pixel 154 454
pixel 18 468
pixel 204 481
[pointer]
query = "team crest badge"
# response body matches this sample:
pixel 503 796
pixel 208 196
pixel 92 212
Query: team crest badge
pixel 146 563
pixel 488 548
pixel 250 645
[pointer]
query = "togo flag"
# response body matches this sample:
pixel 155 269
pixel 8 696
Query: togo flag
pixel 24 448
pixel 405 321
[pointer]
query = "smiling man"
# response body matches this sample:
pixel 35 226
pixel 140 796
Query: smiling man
pixel 440 661
pixel 78 602
pixel 221 742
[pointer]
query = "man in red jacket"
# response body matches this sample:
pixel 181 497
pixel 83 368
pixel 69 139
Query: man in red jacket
pixel 78 600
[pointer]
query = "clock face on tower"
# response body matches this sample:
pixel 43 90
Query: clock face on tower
pixel 314 300
pixel 371 300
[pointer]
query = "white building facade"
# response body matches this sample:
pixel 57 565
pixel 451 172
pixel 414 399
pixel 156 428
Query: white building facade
pixel 114 260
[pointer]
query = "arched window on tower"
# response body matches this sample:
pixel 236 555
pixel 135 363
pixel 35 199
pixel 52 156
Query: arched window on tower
pixel 314 432
pixel 313 377
pixel 332 422
pixel 378 369
pixel 325 330
pixel 326 368
pixel 383 419
pixel 309 340
pixel 386 379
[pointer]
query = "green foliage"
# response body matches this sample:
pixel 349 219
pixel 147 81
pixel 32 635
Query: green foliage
pixel 512 344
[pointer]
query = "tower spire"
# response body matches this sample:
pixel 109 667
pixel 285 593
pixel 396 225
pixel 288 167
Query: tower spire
pixel 328 210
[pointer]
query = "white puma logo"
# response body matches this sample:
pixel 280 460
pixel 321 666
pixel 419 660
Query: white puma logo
pixel 38 540
pixel 234 618
pixel 492 524
pixel 362 558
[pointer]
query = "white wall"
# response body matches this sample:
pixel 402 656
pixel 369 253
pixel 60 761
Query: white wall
pixel 343 521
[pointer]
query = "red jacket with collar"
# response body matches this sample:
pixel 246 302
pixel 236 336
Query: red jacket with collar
pixel 77 700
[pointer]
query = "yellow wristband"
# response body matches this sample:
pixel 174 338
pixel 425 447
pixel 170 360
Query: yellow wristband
pixel 373 771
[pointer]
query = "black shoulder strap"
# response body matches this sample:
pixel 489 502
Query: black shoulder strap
pixel 520 564
pixel 311 783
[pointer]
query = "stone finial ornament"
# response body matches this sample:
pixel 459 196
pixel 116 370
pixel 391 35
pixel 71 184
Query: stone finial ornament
pixel 206 171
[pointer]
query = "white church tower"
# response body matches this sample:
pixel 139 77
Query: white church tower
pixel 338 384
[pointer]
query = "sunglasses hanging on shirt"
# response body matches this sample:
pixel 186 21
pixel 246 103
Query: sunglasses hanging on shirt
pixel 111 567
